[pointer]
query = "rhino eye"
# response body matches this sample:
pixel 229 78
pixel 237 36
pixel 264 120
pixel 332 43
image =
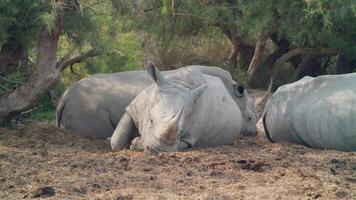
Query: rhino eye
pixel 151 120
pixel 249 118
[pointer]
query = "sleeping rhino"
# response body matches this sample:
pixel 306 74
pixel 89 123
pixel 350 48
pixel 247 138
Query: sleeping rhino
pixel 184 109
pixel 316 112
pixel 93 106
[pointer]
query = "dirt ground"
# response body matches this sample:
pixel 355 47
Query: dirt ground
pixel 47 162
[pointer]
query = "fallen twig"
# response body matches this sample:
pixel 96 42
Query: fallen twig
pixel 10 81
pixel 31 110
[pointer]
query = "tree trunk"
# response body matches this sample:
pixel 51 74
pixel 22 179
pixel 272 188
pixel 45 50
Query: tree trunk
pixel 258 55
pixel 307 61
pixel 344 65
pixel 234 52
pixel 246 54
pixel 11 54
pixel 44 76
pixel 235 48
pixel 292 53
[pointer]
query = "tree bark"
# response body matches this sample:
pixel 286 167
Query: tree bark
pixel 282 45
pixel 235 47
pixel 258 55
pixel 47 73
pixel 344 65
pixel 11 54
pixel 234 52
pixel 245 56
pixel 292 53
pixel 307 61
pixel 70 60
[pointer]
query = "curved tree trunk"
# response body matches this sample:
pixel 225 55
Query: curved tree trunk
pixel 344 65
pixel 234 52
pixel 258 55
pixel 47 73
pixel 11 54
pixel 282 45
pixel 235 48
pixel 292 53
pixel 307 61
pixel 246 55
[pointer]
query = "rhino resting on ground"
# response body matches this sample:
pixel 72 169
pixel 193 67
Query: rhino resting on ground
pixel 93 106
pixel 315 112
pixel 185 109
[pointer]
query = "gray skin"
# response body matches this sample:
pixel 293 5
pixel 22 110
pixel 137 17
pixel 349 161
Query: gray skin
pixel 315 112
pixel 93 106
pixel 182 110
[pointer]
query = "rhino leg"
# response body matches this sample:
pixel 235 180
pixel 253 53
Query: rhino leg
pixel 136 144
pixel 123 134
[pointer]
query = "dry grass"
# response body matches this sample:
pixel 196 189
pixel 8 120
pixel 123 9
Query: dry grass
pixel 35 157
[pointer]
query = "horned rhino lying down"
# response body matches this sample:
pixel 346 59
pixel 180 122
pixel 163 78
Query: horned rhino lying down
pixel 185 109
pixel 316 112
pixel 93 106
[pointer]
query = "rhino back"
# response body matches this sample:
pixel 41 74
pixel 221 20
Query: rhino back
pixel 316 112
pixel 224 75
pixel 327 116
pixel 97 103
pixel 277 113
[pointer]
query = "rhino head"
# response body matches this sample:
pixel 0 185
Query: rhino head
pixel 249 117
pixel 168 109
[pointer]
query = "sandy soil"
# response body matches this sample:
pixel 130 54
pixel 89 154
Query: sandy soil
pixel 47 162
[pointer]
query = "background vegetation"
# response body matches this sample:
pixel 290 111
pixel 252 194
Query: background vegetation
pixel 253 39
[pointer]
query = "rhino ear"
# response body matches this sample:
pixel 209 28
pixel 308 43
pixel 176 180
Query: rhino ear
pixel 155 74
pixel 239 90
pixel 195 93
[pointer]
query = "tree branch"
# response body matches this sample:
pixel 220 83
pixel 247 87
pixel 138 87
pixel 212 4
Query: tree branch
pixel 69 60
pixel 31 110
pixel 4 88
pixel 290 54
pixel 174 13
pixel 10 81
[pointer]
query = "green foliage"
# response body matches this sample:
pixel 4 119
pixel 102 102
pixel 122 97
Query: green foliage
pixel 174 33
pixel 205 48
pixel 43 114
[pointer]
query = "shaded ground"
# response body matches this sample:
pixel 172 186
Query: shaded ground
pixel 39 161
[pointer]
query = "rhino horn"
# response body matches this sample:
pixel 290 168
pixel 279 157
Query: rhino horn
pixel 195 93
pixel 173 131
pixel 155 74
pixel 260 105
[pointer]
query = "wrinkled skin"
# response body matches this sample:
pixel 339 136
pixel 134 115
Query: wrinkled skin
pixel 186 109
pixel 316 112
pixel 94 106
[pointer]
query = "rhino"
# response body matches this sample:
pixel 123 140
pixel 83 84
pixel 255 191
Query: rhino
pixel 93 106
pixel 315 112
pixel 185 109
